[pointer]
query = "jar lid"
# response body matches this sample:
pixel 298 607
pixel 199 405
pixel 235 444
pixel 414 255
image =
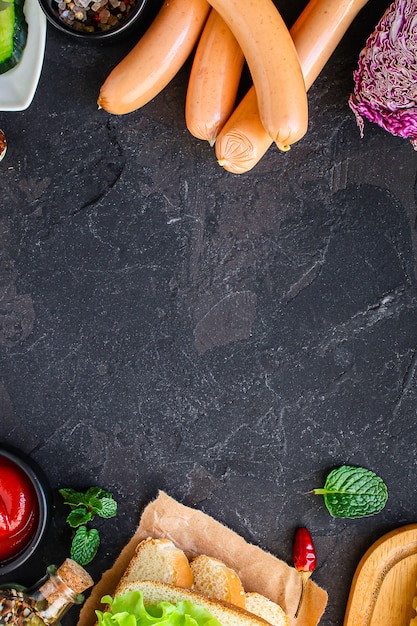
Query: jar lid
pixel 74 576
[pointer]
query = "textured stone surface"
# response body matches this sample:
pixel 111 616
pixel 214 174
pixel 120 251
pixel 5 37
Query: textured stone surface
pixel 229 339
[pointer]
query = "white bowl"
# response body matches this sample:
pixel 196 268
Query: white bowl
pixel 18 85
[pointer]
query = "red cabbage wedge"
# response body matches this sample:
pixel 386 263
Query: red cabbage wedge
pixel 385 90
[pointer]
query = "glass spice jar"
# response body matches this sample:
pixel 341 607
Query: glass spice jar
pixel 45 603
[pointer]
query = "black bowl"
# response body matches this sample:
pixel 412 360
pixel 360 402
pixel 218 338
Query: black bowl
pixel 114 33
pixel 43 498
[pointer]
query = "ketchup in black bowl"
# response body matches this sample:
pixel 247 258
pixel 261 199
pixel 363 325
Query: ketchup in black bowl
pixel 24 510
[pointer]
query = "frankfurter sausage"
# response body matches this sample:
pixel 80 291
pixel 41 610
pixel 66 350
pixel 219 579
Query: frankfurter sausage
pixel 156 58
pixel 273 63
pixel 214 79
pixel 316 33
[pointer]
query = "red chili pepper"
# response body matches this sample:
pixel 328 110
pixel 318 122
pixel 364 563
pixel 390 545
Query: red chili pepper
pixel 304 552
pixel 304 558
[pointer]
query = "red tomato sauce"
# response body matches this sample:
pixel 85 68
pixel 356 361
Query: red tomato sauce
pixel 18 509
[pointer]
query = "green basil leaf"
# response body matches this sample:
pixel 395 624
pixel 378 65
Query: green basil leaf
pixel 79 516
pixel 84 545
pixel 352 492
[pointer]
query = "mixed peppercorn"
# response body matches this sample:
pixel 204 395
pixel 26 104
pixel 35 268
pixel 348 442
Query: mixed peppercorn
pixel 94 15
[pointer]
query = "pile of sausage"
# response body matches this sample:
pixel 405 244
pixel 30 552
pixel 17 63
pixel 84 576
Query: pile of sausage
pixel 283 64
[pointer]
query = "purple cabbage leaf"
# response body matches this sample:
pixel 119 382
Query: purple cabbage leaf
pixel 385 83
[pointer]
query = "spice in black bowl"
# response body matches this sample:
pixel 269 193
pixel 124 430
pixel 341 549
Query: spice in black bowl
pixel 93 19
pixel 92 16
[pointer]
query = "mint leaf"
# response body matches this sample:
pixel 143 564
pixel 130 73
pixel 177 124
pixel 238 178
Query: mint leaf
pixel 84 545
pixel 95 504
pixel 352 492
pixel 79 516
pixel 73 498
pixel 96 492
pixel 108 508
pixel 84 507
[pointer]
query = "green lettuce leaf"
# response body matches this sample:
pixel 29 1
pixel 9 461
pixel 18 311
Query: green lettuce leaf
pixel 129 610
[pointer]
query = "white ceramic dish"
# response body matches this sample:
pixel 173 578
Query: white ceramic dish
pixel 18 85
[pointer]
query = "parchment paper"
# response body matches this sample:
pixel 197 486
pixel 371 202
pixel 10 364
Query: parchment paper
pixel 197 533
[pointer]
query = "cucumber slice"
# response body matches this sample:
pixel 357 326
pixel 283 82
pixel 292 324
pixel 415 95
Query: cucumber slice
pixel 6 32
pixel 13 33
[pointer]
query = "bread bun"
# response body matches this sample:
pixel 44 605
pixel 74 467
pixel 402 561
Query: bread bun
pixel 214 579
pixel 163 573
pixel 265 608
pixel 161 560
pixel 227 614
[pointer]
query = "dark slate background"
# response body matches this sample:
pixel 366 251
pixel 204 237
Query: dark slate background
pixel 229 339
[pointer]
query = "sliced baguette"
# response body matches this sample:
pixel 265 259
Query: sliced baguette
pixel 160 560
pixel 216 580
pixel 266 608
pixel 226 614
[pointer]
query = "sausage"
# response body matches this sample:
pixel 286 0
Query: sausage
pixel 214 79
pixel 316 33
pixel 273 63
pixel 156 58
